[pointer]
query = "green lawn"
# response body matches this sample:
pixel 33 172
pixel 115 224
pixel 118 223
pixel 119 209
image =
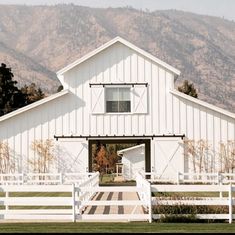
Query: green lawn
pixel 108 180
pixel 134 227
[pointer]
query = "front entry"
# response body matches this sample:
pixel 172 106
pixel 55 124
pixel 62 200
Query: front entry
pixel 131 142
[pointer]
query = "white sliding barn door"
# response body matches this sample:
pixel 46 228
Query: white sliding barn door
pixel 72 156
pixel 97 100
pixel 169 157
pixel 140 99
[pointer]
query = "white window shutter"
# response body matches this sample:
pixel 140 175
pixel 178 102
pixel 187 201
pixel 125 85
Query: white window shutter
pixel 140 99
pixel 97 100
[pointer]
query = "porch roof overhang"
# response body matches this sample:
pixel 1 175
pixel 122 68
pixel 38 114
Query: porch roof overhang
pixel 95 137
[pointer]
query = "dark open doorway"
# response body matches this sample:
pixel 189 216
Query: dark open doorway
pixel 131 142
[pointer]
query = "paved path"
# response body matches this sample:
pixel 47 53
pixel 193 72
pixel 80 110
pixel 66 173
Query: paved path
pixel 115 209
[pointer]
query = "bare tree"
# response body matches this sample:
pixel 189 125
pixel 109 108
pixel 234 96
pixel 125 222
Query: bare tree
pixel 190 152
pixel 7 163
pixel 227 156
pixel 44 151
pixel 197 152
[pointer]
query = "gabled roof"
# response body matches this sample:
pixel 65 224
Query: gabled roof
pixel 203 103
pixel 126 43
pixel 130 149
pixel 34 105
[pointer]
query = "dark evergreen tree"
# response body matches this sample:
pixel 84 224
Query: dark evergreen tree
pixel 188 88
pixel 11 98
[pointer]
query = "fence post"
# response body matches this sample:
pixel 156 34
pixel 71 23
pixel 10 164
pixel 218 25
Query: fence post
pixel 73 204
pixel 23 178
pixel 230 204
pixel 150 203
pixel 178 177
pixel 6 202
pixel 220 183
pixel 61 178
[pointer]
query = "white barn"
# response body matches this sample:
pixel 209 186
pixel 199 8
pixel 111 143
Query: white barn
pixel 118 93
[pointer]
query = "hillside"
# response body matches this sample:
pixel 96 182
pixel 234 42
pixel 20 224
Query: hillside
pixel 39 40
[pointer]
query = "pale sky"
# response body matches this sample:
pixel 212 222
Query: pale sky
pixel 221 8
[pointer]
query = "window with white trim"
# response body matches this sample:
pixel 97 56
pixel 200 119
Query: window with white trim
pixel 118 100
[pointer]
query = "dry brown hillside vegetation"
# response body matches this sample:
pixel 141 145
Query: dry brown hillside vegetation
pixel 36 41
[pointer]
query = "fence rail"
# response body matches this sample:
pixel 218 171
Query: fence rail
pixel 44 178
pixel 213 178
pixel 16 206
pixel 78 178
pixel 91 188
pixel 181 178
pixel 192 201
pixel 68 198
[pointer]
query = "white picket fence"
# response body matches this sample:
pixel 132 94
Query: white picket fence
pixel 143 189
pixel 181 178
pixel 211 178
pixel 68 202
pixel 71 204
pixel 77 178
pixel 43 178
pixel 63 203
pixel 193 201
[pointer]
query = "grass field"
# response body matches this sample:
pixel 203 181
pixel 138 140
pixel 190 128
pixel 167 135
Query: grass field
pixel 134 227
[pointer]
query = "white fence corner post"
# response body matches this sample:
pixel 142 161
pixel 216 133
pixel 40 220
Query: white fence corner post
pixel 230 199
pixel 73 204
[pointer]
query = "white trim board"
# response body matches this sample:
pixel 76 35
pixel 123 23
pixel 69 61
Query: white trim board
pixel 130 149
pixel 33 105
pixel 203 103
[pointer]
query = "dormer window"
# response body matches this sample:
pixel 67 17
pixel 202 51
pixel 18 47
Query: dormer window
pixel 118 100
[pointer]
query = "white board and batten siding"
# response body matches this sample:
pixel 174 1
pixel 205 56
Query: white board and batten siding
pixel 80 110
pixel 124 66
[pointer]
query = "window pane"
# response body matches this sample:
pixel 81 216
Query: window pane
pixel 112 106
pixel 118 100
pixel 124 94
pixel 112 94
pixel 124 106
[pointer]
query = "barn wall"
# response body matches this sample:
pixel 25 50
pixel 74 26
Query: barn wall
pixel 42 123
pixel 71 113
pixel 201 123
pixel 114 65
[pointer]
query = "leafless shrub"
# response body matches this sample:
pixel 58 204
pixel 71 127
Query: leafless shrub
pixel 44 156
pixel 7 163
pixel 197 153
pixel 227 156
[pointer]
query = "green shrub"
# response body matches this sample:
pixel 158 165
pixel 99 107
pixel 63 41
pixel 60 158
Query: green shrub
pixel 187 209
pixel 178 219
pixel 186 213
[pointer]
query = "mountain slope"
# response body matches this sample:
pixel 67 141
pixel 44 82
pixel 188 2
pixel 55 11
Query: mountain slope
pixel 202 47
